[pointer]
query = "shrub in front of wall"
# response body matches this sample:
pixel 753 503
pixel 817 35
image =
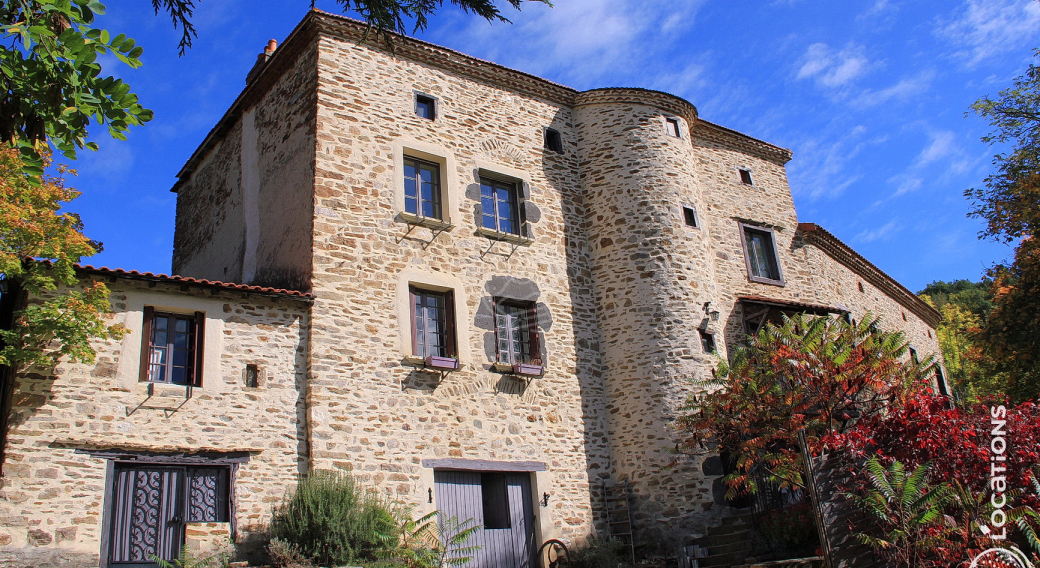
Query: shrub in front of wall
pixel 333 520
pixel 600 554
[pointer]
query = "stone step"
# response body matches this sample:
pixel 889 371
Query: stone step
pixel 728 529
pixel 740 546
pixel 720 539
pixel 746 518
pixel 722 560
pixel 811 562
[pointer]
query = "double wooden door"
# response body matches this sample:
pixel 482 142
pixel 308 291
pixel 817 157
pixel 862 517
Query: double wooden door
pixel 498 501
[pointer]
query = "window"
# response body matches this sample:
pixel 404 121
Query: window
pixel 425 107
pixel 760 254
pixel 433 324
pixel 172 347
pixel 422 188
pixel 913 356
pixel 859 285
pixel 689 216
pixel 516 332
pixel 707 341
pixel 499 206
pixel 553 141
pixel 940 381
pixel 672 127
pixel 745 176
pixel 252 376
pixel 494 497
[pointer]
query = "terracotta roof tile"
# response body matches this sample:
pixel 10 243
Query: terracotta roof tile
pixel 174 279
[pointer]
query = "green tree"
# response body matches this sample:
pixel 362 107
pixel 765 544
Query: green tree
pixel 813 373
pixel 32 226
pixel 1010 205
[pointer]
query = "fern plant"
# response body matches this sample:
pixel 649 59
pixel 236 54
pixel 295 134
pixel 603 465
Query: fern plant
pixel 907 512
pixel 423 543
pixel 190 559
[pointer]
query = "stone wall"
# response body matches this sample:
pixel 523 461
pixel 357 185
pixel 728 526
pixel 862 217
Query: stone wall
pixel 652 276
pixel 244 209
pixel 52 498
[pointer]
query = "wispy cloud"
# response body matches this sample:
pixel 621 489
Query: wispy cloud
pixel 904 89
pixel 821 168
pixel 881 233
pixel 834 68
pixel 609 40
pixel 985 28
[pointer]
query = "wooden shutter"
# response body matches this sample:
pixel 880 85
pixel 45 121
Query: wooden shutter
pixel 532 321
pixel 200 348
pixel 449 324
pixel 146 342
pixel 522 190
pixel 494 325
pixel 411 321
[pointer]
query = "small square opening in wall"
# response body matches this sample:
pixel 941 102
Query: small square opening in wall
pixel 252 376
pixel 689 216
pixel 672 126
pixel 707 341
pixel 553 141
pixel 425 107
pixel 745 176
pixel 859 285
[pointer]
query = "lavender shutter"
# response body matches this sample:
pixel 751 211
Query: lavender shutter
pixel 146 342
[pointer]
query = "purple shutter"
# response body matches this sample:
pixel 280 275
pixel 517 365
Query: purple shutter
pixel 536 346
pixel 200 348
pixel 449 324
pixel 146 343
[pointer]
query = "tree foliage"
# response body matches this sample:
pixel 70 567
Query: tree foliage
pixel 54 86
pixel 32 226
pixel 965 307
pixel 813 373
pixel 1010 206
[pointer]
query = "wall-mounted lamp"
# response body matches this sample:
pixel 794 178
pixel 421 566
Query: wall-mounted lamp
pixel 713 315
pixel 545 499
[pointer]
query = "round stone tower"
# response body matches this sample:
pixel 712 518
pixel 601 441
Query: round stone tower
pixel 654 273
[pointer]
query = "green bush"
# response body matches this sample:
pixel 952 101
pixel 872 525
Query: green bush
pixel 600 554
pixel 333 520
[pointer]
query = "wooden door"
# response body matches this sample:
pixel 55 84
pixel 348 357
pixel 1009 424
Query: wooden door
pixel 498 501
pixel 147 515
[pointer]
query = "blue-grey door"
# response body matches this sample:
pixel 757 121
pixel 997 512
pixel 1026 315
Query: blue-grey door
pixel 498 501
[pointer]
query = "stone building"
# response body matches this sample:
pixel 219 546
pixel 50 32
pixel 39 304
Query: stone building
pixel 481 291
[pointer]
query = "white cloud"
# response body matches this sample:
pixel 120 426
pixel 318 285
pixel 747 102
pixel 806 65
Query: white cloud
pixel 832 68
pixel 883 232
pixel 904 89
pixel 579 41
pixel 985 28
pixel 820 170
pixel 943 144
pixel 905 183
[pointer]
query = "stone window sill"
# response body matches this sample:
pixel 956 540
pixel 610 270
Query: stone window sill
pixel 428 222
pixel 507 237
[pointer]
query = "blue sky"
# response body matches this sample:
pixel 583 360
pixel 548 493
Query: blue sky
pixel 870 95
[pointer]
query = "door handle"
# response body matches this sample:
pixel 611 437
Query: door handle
pixel 177 520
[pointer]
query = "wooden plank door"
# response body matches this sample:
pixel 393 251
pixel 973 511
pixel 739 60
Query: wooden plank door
pixel 500 502
pixel 147 515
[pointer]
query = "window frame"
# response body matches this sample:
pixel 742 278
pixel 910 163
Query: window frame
pixel 708 344
pixel 531 362
pixel 514 188
pixel 448 337
pixel 744 228
pixel 438 190
pixel 750 179
pixel 693 214
pixel 673 127
pixel 197 330
pixel 422 98
pixel 550 136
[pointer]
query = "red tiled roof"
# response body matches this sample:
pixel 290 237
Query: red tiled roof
pixel 816 235
pixel 174 279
